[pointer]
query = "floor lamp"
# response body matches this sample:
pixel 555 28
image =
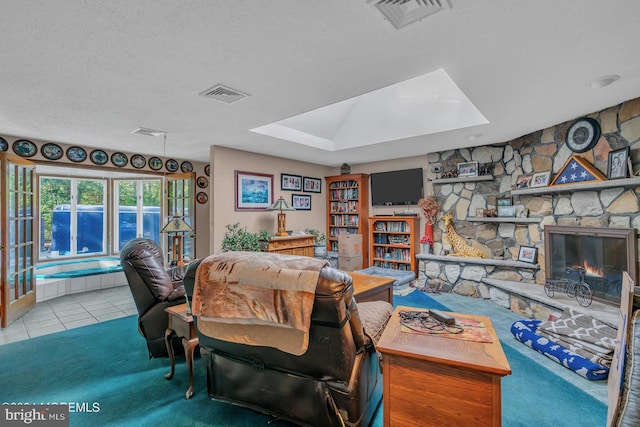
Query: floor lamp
pixel 281 205
pixel 176 227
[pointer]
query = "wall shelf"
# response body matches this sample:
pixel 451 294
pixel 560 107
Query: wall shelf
pixel 582 186
pixel 527 220
pixel 463 179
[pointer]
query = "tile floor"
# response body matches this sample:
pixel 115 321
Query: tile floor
pixel 86 308
pixel 71 311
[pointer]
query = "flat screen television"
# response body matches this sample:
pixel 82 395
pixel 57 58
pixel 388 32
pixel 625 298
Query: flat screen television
pixel 401 187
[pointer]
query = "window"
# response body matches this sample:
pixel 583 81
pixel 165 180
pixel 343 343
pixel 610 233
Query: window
pixel 137 203
pixel 72 217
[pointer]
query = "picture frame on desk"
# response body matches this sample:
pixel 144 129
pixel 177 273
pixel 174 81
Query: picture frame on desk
pixel 618 164
pixel 528 254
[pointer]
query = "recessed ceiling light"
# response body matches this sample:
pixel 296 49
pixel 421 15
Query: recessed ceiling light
pixel 474 136
pixel 602 81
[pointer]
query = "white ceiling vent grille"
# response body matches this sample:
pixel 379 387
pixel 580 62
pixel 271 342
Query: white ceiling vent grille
pixel 223 94
pixel 404 12
pixel 149 132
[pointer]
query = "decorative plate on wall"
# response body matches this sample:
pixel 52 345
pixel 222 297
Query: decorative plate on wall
pixel 76 154
pixel 202 182
pixel 155 163
pixel 24 148
pixel 4 145
pixel 138 161
pixel 51 151
pixel 186 167
pixel 207 170
pixel 202 197
pixel 99 157
pixel 119 159
pixel 171 165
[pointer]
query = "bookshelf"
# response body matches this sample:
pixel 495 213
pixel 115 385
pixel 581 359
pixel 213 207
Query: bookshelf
pixel 393 242
pixel 347 209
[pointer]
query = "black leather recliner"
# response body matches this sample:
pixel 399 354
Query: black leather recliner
pixel 336 382
pixel 153 288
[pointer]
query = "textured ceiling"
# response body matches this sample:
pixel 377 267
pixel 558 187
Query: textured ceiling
pixel 89 73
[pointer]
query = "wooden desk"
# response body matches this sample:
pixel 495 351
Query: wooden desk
pixel 181 325
pixel 292 245
pixel 367 287
pixel 436 381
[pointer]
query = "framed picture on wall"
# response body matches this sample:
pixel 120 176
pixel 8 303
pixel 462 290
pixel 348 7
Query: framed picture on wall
pixel 290 182
pixel 253 191
pixel 540 179
pixel 301 202
pixel 312 185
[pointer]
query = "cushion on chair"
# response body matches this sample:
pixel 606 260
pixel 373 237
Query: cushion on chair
pixel 374 316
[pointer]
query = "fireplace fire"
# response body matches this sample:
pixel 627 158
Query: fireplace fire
pixel 603 253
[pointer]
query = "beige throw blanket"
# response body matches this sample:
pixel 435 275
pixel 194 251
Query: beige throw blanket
pixel 257 298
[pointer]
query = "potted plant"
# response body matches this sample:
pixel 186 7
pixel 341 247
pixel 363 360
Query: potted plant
pixel 239 239
pixel 319 242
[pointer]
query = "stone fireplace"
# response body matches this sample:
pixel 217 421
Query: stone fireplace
pixel 603 254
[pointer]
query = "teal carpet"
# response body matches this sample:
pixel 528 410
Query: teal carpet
pixel 103 370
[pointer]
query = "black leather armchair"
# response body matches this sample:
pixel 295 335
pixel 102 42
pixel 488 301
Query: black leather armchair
pixel 153 288
pixel 336 382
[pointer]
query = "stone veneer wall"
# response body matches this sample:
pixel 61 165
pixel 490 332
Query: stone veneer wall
pixel 539 151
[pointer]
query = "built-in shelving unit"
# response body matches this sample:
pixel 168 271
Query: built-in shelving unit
pixel 393 242
pixel 582 186
pixel 347 209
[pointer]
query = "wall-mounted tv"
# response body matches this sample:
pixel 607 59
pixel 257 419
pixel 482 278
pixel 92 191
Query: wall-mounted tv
pixel 401 187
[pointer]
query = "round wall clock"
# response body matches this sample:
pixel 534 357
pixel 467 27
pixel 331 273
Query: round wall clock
pixel 583 135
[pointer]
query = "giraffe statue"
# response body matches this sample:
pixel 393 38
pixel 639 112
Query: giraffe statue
pixel 459 244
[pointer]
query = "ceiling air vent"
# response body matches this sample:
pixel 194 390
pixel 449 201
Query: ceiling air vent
pixel 223 94
pixel 148 132
pixel 404 12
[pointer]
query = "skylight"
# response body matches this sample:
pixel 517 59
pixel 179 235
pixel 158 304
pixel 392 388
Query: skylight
pixel 424 105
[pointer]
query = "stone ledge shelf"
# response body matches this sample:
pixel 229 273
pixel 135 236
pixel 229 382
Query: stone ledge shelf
pixel 524 298
pixel 478 261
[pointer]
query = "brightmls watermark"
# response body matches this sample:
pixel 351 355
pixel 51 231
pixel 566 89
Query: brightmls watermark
pixel 54 415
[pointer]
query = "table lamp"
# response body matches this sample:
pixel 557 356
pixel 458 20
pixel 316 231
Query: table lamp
pixel 176 227
pixel 281 205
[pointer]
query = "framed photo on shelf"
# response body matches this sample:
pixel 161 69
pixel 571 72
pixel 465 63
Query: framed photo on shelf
pixel 479 213
pixel 520 211
pixel 301 202
pixel 524 181
pixel 290 182
pixel 618 163
pixel 467 169
pixel 540 179
pixel 311 185
pixel 506 211
pixel 527 254
pixel 253 191
pixel 504 201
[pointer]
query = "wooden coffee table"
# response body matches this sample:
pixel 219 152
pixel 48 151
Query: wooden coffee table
pixel 436 381
pixel 367 287
pixel 181 325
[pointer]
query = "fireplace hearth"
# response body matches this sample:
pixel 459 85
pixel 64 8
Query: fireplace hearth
pixel 603 253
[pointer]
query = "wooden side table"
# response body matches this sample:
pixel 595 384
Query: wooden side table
pixel 181 325
pixel 367 287
pixel 292 245
pixel 435 381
